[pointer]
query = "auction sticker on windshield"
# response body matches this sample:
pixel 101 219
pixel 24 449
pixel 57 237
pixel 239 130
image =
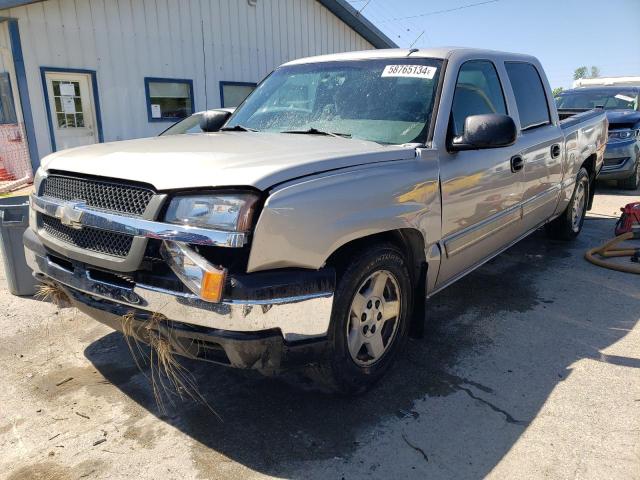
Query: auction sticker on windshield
pixel 413 71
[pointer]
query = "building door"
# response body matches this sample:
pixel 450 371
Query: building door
pixel 72 109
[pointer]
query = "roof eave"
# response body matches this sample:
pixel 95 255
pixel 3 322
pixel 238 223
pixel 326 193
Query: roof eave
pixel 366 29
pixel 4 4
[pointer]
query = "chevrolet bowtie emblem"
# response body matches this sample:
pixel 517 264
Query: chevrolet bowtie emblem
pixel 71 217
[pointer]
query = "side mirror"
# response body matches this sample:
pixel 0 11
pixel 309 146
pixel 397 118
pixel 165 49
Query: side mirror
pixel 490 130
pixel 213 120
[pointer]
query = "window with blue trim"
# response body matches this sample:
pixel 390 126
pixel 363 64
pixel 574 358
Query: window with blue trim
pixel 168 99
pixel 7 108
pixel 233 94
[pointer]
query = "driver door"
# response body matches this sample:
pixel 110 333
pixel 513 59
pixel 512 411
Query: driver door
pixel 481 192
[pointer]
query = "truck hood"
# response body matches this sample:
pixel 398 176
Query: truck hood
pixel 256 159
pixel 625 117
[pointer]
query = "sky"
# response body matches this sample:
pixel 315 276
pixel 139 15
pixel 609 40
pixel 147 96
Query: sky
pixel 563 34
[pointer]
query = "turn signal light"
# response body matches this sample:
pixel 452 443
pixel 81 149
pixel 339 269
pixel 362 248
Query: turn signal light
pixel 200 276
pixel 212 285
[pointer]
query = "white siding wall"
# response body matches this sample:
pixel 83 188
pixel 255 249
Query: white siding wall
pixel 5 52
pixel 127 40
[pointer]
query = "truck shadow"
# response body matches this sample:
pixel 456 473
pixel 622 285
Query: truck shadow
pixel 611 188
pixel 499 340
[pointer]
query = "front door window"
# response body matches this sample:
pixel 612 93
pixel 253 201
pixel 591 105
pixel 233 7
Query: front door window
pixel 478 91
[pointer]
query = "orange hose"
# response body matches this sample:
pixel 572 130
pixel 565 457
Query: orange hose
pixel 609 250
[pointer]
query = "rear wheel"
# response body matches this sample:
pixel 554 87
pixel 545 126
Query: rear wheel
pixel 369 322
pixel 633 181
pixel 568 225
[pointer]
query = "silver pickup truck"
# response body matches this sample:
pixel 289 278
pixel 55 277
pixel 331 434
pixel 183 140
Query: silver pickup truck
pixel 310 229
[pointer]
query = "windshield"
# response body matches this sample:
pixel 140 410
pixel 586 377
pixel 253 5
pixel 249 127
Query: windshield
pixel 386 101
pixel 623 99
pixel 188 125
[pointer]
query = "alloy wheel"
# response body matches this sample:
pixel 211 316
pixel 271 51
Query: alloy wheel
pixel 373 318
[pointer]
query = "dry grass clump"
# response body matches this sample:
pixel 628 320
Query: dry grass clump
pixel 167 376
pixel 131 338
pixel 52 293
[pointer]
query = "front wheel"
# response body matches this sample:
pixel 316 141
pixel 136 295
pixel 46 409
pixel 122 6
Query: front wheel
pixel 369 323
pixel 568 225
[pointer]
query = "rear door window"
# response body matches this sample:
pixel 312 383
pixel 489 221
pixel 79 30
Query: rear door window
pixel 478 91
pixel 531 100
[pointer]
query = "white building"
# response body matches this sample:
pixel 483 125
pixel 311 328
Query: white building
pixel 74 72
pixel 606 81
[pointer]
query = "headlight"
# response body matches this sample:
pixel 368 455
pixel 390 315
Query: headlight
pixel 231 212
pixel 37 178
pixel 622 134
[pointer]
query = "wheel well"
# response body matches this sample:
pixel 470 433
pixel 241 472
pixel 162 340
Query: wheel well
pixel 411 243
pixel 590 166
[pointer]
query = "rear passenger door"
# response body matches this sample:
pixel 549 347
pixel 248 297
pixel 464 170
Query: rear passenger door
pixel 480 193
pixel 540 142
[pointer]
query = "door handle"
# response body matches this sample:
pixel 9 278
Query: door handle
pixel 555 151
pixel 517 163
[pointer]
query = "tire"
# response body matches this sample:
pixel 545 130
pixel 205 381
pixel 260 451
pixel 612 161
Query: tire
pixel 633 182
pixel 359 314
pixel 569 225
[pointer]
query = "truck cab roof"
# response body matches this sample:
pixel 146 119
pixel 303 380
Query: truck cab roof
pixel 436 52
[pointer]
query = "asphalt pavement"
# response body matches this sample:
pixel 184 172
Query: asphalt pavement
pixel 530 368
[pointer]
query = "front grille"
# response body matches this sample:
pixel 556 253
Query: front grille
pixel 114 197
pixel 109 243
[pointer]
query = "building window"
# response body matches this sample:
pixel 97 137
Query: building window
pixel 233 94
pixel 68 104
pixel 7 109
pixel 168 99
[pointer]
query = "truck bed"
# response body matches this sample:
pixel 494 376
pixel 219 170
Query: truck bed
pixel 567 115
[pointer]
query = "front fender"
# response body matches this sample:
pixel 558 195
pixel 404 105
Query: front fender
pixel 304 222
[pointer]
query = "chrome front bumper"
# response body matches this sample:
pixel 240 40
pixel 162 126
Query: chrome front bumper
pixel 298 318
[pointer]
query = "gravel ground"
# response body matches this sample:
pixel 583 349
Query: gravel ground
pixel 530 368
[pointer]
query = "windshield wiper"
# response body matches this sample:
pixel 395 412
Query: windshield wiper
pixel 315 131
pixel 239 128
